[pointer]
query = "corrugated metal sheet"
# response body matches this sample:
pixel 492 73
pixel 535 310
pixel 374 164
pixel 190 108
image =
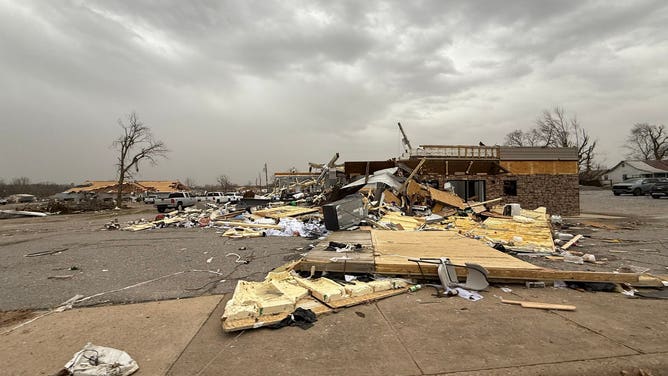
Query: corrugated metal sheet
pixel 509 153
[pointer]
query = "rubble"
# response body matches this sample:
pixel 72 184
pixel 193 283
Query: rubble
pixel 387 233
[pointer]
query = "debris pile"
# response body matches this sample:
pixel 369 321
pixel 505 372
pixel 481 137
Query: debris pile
pixel 238 224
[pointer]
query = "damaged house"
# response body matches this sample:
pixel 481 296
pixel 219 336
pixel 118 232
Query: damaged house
pixel 106 190
pixel 529 176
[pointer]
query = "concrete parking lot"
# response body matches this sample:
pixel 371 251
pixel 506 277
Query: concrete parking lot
pixel 410 334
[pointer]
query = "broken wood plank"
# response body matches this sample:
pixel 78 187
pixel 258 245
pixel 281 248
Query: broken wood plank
pixel 538 305
pixel 250 323
pixel 410 177
pixel 635 279
pixel 572 241
pixel 248 225
pixel 348 302
pixel 285 211
pixel 447 198
pixel 484 202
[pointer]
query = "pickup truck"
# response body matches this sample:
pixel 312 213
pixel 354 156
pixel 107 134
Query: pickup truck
pixel 233 196
pixel 216 197
pixel 176 200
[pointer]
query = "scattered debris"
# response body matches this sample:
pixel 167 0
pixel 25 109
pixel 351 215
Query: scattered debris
pixel 524 304
pixel 238 260
pixel 95 360
pixel 46 253
pixel 8 214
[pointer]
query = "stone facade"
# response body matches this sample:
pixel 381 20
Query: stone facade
pixel 558 193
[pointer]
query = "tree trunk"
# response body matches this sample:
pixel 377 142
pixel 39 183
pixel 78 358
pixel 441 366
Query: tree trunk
pixel 119 194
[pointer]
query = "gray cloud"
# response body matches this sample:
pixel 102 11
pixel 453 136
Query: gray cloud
pixel 230 85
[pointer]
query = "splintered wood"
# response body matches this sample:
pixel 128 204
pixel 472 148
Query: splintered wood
pixel 257 304
pixel 285 211
pixel 447 198
pixel 528 232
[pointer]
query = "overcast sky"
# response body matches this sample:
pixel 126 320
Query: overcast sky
pixel 229 86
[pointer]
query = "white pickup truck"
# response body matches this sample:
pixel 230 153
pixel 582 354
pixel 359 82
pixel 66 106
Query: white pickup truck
pixel 175 200
pixel 233 196
pixel 215 197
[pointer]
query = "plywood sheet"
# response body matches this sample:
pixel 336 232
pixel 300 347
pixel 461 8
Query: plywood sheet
pixel 285 211
pixel 356 262
pixel 535 236
pixel 394 248
pixel 406 222
pixel 541 167
pixel 446 198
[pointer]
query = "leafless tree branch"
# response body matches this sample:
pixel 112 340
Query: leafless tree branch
pixel 135 145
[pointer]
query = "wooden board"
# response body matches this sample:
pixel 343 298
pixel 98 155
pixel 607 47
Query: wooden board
pixel 519 275
pixel 389 197
pixel 394 248
pixel 536 236
pixel 572 241
pixel 365 298
pixel 285 211
pixel 360 262
pixel 249 225
pixel 407 222
pixel 446 198
pixel 251 323
pixel 559 307
pixel 540 167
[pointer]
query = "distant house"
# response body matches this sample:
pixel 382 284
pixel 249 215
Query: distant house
pixel 636 169
pixel 106 189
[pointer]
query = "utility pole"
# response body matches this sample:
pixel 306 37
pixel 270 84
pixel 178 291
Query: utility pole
pixel 266 176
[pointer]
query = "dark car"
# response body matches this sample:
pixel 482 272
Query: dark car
pixel 660 189
pixel 636 187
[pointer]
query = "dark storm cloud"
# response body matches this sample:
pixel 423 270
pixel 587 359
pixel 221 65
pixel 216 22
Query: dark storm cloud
pixel 288 82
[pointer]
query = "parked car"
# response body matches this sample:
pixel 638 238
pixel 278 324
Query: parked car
pixel 637 187
pixel 176 200
pixel 151 197
pixel 660 189
pixel 3 201
pixel 217 197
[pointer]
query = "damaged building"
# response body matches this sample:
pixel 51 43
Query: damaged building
pixel 106 189
pixel 529 176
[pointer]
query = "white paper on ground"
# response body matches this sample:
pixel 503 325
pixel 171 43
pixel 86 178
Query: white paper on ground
pixel 110 362
pixel 468 295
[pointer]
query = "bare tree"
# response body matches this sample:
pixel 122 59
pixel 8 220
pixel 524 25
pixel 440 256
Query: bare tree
pixel 21 181
pixel 190 182
pixel 555 129
pixel 135 145
pixel 586 149
pixel 648 141
pixel 224 182
pixel 520 138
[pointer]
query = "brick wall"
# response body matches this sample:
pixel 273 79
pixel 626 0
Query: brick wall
pixel 560 194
